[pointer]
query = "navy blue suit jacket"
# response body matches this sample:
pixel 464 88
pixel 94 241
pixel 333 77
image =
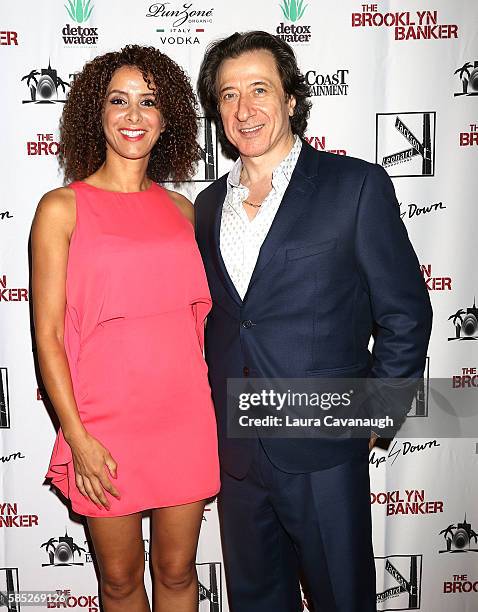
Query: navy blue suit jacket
pixel 336 267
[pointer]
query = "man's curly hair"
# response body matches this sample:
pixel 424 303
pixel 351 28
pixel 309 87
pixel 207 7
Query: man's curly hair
pixel 293 81
pixel 82 141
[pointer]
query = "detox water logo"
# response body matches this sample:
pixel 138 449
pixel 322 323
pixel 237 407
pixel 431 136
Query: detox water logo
pixel 79 10
pixel 293 11
pixel 76 35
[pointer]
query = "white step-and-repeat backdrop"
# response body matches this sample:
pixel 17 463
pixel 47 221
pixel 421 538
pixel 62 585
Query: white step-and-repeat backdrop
pixel 394 82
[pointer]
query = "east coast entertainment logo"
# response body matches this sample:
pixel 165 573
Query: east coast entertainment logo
pixel 293 11
pixel 470 136
pixel 468 75
pixel 44 86
pixel 327 84
pixel 42 145
pixel 407 25
pixel 459 538
pixel 184 22
pixel 79 35
pixel 432 282
pixel 4 400
pixel 407 502
pixel 64 598
pixel 399 582
pixel 465 321
pixel 318 142
pixel 394 131
pixel 11 517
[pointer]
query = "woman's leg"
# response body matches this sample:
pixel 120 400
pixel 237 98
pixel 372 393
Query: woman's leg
pixel 175 532
pixel 119 550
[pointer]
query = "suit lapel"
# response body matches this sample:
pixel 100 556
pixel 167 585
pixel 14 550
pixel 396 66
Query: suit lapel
pixel 215 244
pixel 296 199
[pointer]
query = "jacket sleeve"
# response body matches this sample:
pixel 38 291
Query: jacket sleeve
pixel 399 299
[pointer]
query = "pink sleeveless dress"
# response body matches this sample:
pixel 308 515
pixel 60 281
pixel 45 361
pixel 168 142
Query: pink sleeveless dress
pixel 137 297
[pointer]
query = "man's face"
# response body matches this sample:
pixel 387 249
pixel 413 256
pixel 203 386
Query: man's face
pixel 254 109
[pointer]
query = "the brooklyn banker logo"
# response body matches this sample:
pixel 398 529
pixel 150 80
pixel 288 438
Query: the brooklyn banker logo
pixel 210 589
pixel 459 538
pixel 405 143
pixel 45 86
pixel 9 590
pixel 4 401
pixel 399 582
pixel 465 321
pixel 180 24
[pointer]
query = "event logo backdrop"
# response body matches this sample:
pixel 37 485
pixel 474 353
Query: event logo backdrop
pixel 395 83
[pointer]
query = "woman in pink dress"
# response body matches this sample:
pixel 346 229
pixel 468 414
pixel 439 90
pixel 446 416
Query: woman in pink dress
pixel 120 299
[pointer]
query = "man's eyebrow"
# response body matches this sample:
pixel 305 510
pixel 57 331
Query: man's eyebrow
pixel 253 84
pixel 125 93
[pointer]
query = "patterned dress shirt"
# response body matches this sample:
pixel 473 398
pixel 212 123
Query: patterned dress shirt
pixel 240 238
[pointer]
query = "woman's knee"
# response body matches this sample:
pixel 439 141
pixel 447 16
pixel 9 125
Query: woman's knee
pixel 121 581
pixel 175 575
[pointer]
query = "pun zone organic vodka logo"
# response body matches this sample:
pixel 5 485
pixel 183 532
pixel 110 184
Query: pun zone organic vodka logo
pixel 293 11
pixel 73 35
pixel 185 22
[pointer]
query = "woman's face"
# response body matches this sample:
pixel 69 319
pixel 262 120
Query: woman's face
pixel 131 122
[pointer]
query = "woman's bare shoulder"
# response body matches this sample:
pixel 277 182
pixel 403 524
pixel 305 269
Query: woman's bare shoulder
pixel 184 205
pixel 57 207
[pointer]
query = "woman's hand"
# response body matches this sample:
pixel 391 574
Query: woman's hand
pixel 90 460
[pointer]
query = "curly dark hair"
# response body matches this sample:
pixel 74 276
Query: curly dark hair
pixel 82 141
pixel 293 81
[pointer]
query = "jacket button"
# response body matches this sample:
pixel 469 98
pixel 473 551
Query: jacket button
pixel 245 371
pixel 247 324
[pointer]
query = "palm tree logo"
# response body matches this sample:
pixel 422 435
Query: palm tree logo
pixel 31 77
pixel 457 320
pixel 458 537
pixel 469 80
pixel 466 323
pixel 61 551
pixel 44 89
pixel 78 549
pixel 50 544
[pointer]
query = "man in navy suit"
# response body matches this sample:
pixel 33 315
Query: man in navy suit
pixel 307 258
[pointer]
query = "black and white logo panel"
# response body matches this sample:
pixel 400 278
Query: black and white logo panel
pixel 399 582
pixel 405 143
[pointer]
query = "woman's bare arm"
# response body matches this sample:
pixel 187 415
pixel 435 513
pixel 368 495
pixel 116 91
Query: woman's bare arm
pixel 52 229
